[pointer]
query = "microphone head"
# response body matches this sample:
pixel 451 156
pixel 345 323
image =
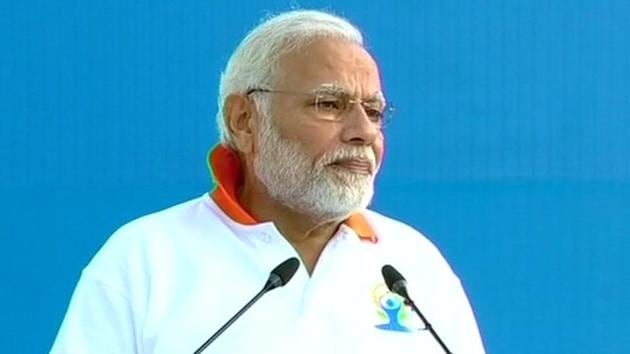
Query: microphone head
pixel 395 282
pixel 282 273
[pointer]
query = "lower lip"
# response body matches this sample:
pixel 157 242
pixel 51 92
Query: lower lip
pixel 353 167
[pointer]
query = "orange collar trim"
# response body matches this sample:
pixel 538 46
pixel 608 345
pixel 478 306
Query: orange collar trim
pixel 226 170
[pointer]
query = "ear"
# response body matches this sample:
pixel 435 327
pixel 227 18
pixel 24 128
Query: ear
pixel 239 114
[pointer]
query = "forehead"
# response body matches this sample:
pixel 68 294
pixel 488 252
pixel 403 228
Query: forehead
pixel 328 61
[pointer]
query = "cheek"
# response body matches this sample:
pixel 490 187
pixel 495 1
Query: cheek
pixel 317 142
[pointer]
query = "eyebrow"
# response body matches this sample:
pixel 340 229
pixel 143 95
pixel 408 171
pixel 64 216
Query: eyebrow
pixel 336 89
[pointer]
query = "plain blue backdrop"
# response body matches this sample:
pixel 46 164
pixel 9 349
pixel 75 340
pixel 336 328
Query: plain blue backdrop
pixel 510 147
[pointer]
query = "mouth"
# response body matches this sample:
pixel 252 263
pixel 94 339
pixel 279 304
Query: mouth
pixel 354 165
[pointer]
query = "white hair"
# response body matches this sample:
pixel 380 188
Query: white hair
pixel 254 63
pixel 307 185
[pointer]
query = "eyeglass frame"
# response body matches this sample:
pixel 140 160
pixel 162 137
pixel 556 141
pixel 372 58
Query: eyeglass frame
pixel 385 113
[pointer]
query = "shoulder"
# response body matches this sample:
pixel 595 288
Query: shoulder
pixel 395 233
pixel 408 248
pixel 184 214
pixel 150 236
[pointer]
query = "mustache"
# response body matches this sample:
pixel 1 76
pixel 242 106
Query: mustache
pixel 349 153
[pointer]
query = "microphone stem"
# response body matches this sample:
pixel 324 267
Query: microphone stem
pixel 427 325
pixel 231 320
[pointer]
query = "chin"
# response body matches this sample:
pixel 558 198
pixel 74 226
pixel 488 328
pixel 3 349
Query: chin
pixel 341 209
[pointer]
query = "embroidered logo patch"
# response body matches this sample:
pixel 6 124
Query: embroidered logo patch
pixel 392 312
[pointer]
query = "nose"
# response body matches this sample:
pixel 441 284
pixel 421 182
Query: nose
pixel 358 128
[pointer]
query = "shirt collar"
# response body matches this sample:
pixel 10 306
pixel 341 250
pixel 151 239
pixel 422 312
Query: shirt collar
pixel 225 166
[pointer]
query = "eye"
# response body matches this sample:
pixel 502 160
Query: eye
pixel 374 114
pixel 328 105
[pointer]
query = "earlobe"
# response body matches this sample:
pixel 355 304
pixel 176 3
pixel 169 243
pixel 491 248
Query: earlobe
pixel 238 114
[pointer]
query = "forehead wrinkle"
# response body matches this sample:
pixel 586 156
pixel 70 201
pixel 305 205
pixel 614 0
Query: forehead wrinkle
pixel 330 66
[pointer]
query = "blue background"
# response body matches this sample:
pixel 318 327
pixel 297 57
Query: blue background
pixel 509 148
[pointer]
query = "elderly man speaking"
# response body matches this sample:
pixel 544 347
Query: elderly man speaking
pixel 301 119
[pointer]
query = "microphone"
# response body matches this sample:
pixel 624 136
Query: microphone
pixel 398 285
pixel 278 277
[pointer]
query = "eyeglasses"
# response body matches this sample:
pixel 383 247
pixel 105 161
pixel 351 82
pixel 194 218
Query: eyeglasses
pixel 332 104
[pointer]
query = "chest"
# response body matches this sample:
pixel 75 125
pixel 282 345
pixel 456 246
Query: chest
pixel 342 307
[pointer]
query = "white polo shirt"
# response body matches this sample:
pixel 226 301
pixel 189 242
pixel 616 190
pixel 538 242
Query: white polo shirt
pixel 165 282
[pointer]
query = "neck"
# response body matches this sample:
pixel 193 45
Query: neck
pixel 308 235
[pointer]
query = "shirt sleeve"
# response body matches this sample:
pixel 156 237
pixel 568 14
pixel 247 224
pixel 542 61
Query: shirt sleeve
pixel 99 320
pixel 466 330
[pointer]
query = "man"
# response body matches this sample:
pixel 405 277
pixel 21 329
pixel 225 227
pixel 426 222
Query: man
pixel 301 119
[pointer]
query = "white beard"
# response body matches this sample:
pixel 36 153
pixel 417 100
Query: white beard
pixel 310 187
